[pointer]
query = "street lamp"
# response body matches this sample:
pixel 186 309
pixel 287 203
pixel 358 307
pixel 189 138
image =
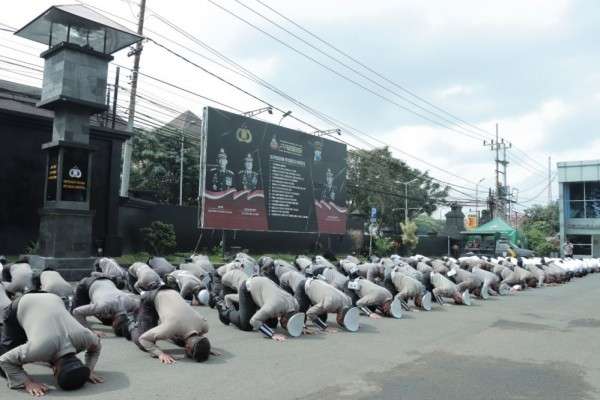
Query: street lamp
pixel 285 114
pixel 406 198
pixel 328 132
pixel 477 200
pixel 253 113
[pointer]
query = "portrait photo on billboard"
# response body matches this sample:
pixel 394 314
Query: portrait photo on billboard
pixel 233 195
pixel 329 181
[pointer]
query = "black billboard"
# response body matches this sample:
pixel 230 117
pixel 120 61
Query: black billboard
pixel 259 176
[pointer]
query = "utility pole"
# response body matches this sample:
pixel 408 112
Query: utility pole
pixel 406 198
pixel 405 204
pixel 115 98
pixel 181 172
pixel 477 200
pixel 501 187
pixel 137 52
pixel 549 180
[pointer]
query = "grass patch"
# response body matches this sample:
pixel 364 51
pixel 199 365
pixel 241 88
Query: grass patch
pixel 179 257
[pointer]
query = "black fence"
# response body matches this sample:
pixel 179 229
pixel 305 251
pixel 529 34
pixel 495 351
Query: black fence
pixel 136 214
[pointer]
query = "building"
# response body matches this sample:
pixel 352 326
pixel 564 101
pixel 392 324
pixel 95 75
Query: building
pixel 579 206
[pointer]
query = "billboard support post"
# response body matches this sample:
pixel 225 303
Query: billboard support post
pixel 223 244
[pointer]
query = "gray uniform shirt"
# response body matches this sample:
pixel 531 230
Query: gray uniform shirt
pixel 53 282
pixel 335 278
pixel 407 286
pixel 187 282
pixel 303 262
pixel 347 266
pixel 523 274
pixel 204 262
pixel 352 259
pixel 222 270
pixel 486 276
pixel 320 260
pixel 371 294
pixel 423 267
pixel 52 333
pixel 281 267
pixel 446 286
pixel 4 301
pixel 439 266
pixel 410 271
pixel 21 278
pixel 363 269
pixel 147 278
pixel 375 271
pixel 272 301
pixel 106 302
pixel 470 280
pixel 233 279
pixel 325 298
pixel 178 320
pixel 110 267
pixel 161 266
pixel 537 272
pixel 198 270
pixel 292 279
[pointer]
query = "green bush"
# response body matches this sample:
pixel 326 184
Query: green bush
pixel 159 238
pixel 384 245
pixel 409 235
pixel 33 247
pixel 538 236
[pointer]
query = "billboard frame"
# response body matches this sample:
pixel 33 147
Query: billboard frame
pixel 203 173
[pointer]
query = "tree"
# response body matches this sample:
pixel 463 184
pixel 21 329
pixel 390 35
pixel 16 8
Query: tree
pixel 159 238
pixel 409 235
pixel 375 179
pixel 540 228
pixel 156 165
pixel 384 245
pixel 427 224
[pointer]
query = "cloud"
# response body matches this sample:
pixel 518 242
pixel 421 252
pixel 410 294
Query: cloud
pixel 454 91
pixel 529 65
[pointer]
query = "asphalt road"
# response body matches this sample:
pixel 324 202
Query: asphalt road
pixel 539 344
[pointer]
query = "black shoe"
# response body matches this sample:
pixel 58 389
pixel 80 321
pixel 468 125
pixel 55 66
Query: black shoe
pixel 223 313
pixel 212 300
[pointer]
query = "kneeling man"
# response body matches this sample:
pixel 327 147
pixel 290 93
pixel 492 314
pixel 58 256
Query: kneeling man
pixel 38 328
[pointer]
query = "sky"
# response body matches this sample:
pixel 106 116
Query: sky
pixel 529 66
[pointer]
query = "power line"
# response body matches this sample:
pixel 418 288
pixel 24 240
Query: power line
pixel 183 89
pixel 541 192
pixel 7 27
pixel 345 54
pixel 380 75
pixel 379 95
pixel 256 79
pixel 328 44
pixel 470 132
pixel 269 104
pixel 179 88
pixel 359 73
pixel 319 114
pixel 536 185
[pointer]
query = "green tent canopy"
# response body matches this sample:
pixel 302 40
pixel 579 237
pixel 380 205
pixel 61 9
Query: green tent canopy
pixel 496 226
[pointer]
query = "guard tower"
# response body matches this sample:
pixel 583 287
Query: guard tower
pixel 80 45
